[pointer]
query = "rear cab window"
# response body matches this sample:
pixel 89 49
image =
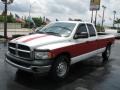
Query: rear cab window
pixel 91 30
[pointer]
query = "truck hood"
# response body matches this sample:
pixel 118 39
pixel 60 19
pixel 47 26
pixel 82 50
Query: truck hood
pixel 37 40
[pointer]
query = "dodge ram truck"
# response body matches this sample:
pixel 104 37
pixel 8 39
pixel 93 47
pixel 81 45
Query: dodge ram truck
pixel 54 48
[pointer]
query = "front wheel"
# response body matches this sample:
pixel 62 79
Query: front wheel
pixel 60 68
pixel 106 54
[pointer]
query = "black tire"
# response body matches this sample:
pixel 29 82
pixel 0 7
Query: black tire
pixel 60 68
pixel 19 71
pixel 106 54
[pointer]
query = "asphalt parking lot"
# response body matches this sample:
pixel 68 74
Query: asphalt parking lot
pixel 88 75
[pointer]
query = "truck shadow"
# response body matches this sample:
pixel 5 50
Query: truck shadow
pixel 91 68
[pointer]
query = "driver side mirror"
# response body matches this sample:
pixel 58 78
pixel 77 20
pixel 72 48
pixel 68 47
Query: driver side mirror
pixel 81 35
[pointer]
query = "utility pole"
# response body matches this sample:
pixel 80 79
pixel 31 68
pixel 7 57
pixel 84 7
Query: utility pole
pixel 104 7
pixel 30 12
pixel 5 21
pixel 114 18
pixel 92 17
pixel 6 2
pixel 96 18
pixel 30 15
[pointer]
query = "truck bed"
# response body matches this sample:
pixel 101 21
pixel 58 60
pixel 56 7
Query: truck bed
pixel 104 35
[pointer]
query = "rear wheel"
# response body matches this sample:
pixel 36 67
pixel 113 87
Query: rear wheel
pixel 106 54
pixel 60 68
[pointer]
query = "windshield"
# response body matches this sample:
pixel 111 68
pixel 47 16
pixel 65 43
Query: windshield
pixel 59 29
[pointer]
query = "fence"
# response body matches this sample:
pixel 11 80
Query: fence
pixel 13 29
pixel 11 26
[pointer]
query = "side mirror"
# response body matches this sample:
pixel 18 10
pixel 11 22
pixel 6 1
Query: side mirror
pixel 81 35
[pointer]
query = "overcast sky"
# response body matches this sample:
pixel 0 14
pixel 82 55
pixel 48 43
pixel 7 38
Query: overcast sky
pixel 63 9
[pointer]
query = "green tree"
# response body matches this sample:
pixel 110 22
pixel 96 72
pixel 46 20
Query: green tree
pixel 117 22
pixel 38 21
pixel 100 28
pixel 1 18
pixel 10 18
pixel 8 1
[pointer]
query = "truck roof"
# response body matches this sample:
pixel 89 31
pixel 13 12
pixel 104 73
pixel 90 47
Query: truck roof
pixel 77 22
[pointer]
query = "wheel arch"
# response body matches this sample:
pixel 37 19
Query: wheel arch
pixel 65 54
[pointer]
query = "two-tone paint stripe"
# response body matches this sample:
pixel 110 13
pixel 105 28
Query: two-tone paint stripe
pixel 29 39
pixel 33 38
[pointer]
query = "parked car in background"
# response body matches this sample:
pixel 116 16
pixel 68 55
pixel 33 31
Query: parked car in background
pixel 114 32
pixel 57 46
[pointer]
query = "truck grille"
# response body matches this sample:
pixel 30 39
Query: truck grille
pixel 19 50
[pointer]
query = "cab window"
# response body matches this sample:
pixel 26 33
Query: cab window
pixel 81 28
pixel 81 32
pixel 91 30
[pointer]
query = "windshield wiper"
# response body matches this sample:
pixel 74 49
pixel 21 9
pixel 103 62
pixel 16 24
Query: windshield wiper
pixel 53 33
pixel 40 32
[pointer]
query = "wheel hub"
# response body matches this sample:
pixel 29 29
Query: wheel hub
pixel 61 69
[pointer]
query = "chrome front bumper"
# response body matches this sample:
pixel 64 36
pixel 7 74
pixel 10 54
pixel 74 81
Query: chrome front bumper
pixel 33 69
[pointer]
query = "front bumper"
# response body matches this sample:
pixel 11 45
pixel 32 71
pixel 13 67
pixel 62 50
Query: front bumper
pixel 30 66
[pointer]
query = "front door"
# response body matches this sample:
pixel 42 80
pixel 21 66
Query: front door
pixel 81 46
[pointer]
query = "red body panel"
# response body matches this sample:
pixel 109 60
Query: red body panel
pixel 82 48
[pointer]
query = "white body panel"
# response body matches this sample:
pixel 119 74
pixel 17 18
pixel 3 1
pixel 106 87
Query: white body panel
pixel 87 55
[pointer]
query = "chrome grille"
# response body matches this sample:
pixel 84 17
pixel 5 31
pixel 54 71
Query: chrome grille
pixel 23 47
pixel 12 50
pixel 19 50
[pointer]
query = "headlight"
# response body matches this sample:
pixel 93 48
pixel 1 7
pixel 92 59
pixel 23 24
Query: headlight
pixel 42 55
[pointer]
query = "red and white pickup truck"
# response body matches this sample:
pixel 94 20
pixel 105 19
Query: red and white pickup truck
pixel 57 46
